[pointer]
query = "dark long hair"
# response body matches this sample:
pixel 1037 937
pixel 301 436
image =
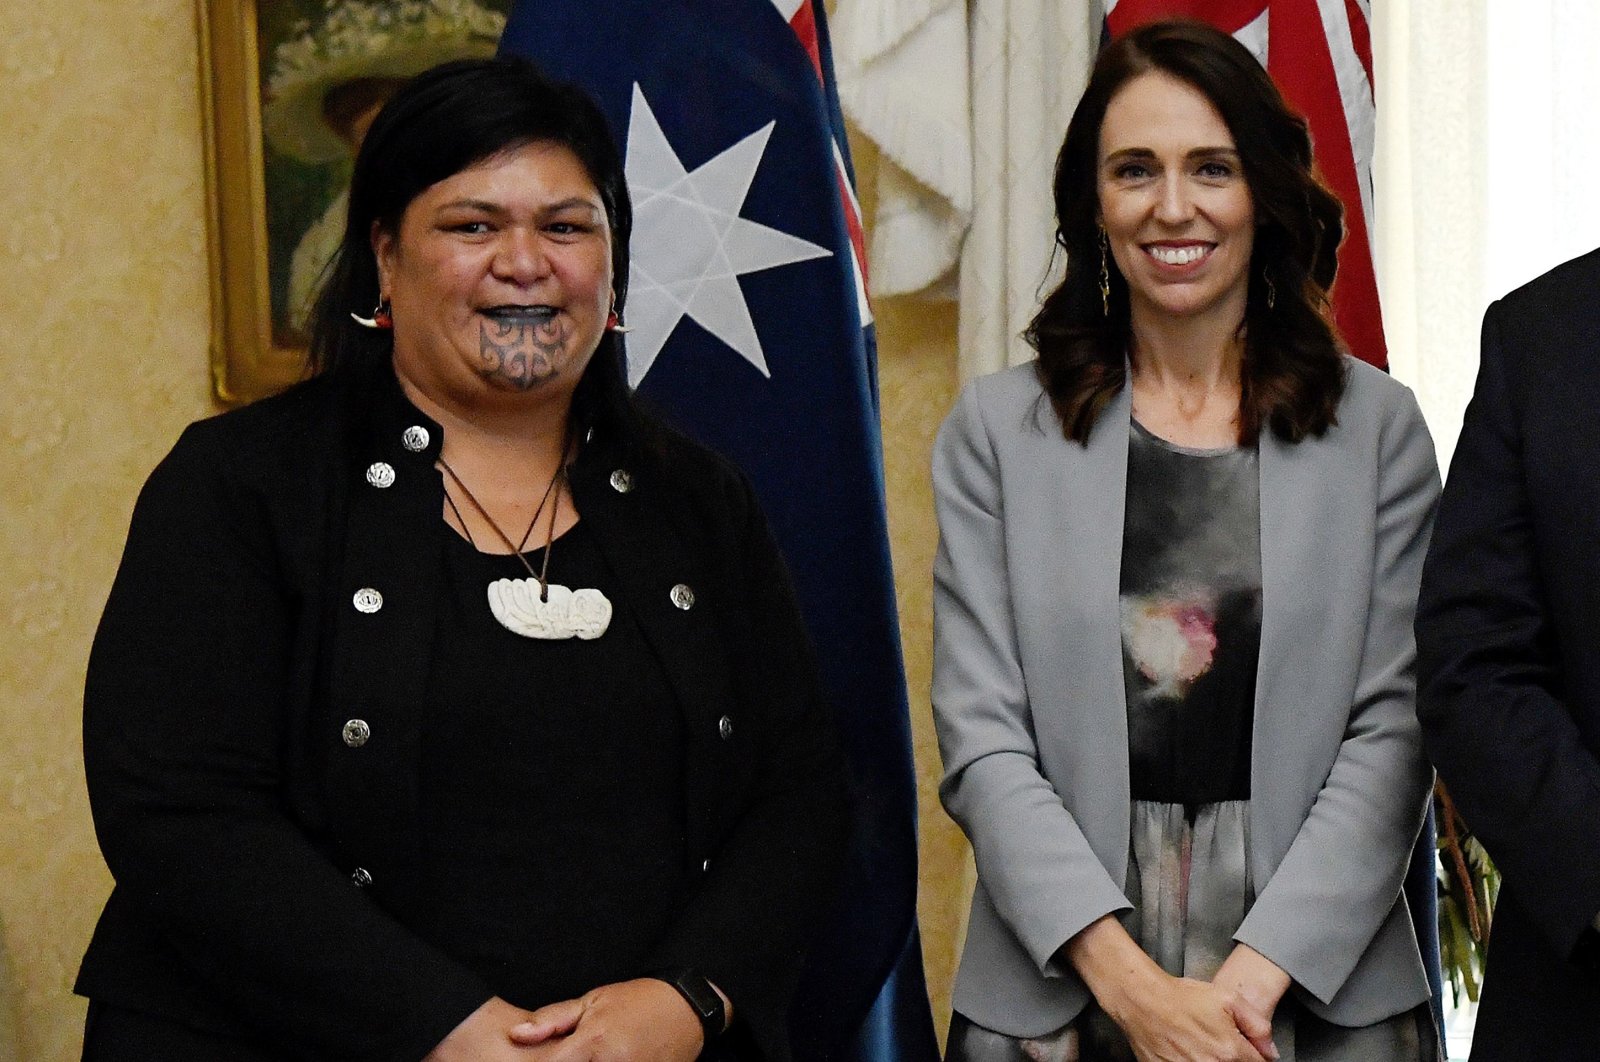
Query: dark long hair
pixel 439 123
pixel 1293 373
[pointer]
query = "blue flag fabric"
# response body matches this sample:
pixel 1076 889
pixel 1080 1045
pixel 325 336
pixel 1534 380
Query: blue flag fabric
pixel 749 330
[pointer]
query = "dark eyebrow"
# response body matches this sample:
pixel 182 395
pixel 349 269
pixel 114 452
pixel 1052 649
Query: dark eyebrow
pixel 1130 153
pixel 473 204
pixel 570 203
pixel 1141 153
pixel 574 202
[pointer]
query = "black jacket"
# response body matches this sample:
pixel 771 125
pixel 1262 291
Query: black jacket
pixel 265 858
pixel 1508 639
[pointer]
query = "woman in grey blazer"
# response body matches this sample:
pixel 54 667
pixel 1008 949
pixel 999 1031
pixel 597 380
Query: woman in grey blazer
pixel 1178 565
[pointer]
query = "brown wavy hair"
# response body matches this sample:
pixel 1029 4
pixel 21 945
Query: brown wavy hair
pixel 1293 374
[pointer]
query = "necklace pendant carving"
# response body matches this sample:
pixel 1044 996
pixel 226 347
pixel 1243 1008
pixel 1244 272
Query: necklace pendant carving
pixel 563 613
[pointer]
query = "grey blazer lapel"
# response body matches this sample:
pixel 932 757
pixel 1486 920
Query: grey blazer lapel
pixel 1303 669
pixel 1086 750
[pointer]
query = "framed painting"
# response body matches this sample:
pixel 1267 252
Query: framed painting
pixel 289 88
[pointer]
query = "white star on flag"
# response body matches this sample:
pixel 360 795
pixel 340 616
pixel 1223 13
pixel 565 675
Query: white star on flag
pixel 690 246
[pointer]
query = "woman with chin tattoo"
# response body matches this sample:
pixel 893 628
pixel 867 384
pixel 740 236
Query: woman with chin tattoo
pixel 446 707
pixel 1173 660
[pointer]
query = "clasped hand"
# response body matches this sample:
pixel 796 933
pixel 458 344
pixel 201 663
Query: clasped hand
pixel 632 1021
pixel 1180 1019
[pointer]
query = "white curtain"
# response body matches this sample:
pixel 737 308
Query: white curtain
pixel 1030 61
pixel 1429 180
pixel 1543 117
pixel 901 67
pixel 968 101
pixel 1488 146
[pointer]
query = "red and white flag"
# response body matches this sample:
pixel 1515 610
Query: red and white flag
pixel 1320 54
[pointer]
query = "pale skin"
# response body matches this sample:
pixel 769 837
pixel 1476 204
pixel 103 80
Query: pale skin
pixel 1180 225
pixel 500 278
pixel 1179 1019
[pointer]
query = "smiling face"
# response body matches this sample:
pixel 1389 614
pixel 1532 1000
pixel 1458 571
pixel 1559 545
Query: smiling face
pixel 1173 199
pixel 500 278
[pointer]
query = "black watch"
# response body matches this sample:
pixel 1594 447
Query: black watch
pixel 699 994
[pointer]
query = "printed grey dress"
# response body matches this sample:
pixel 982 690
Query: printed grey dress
pixel 1191 634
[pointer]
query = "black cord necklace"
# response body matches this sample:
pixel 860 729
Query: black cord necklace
pixel 534 607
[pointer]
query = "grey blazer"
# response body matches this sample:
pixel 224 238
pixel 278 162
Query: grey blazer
pixel 1032 718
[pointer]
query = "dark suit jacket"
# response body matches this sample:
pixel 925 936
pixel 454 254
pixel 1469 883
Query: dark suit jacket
pixel 233 813
pixel 1508 632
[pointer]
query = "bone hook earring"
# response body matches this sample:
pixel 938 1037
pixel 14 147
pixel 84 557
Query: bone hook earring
pixel 1105 276
pixel 614 322
pixel 382 317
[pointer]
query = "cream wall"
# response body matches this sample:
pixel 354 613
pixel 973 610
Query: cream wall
pixel 103 325
pixel 917 382
pixel 103 332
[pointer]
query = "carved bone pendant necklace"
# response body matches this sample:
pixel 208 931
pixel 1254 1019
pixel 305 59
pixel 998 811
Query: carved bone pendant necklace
pixel 535 607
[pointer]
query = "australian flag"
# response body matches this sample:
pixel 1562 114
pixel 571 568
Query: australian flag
pixel 749 327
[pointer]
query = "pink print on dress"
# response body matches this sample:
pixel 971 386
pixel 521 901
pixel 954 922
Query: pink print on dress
pixel 1172 640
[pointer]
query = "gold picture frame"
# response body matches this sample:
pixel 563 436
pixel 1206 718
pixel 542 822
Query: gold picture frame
pixel 245 363
pixel 275 179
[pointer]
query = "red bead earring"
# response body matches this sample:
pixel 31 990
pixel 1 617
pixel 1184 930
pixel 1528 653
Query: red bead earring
pixel 613 322
pixel 382 317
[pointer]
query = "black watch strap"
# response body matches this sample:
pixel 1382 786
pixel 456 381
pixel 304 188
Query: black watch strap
pixel 699 994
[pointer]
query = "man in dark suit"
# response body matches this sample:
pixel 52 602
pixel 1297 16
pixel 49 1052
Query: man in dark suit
pixel 1508 638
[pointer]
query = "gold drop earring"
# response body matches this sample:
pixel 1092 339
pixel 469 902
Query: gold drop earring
pixel 1105 275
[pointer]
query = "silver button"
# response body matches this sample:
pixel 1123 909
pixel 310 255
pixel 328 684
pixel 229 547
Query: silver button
pixel 380 474
pixel 725 728
pixel 415 438
pixel 682 596
pixel 360 878
pixel 621 481
pixel 367 600
pixel 356 733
